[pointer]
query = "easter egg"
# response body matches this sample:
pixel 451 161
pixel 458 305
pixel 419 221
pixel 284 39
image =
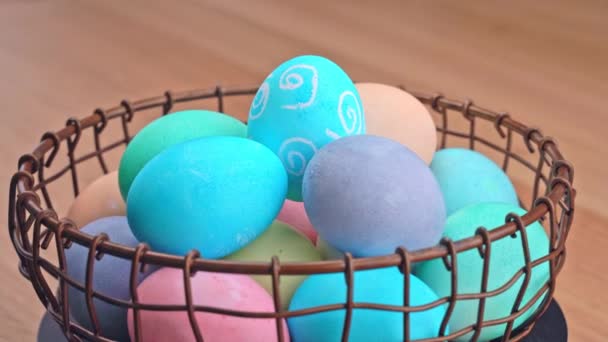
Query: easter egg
pixel 294 214
pixel 49 330
pixel 170 130
pixel 506 258
pixel 305 103
pixel 214 194
pixel 111 277
pixel 378 286
pixel 467 177
pixel 289 246
pixel 327 251
pixel 393 113
pixel 218 290
pixel 100 199
pixel 368 195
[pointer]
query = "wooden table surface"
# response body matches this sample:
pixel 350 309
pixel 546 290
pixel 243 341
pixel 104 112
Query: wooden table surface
pixel 544 61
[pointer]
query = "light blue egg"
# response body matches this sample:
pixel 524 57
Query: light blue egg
pixel 369 195
pixel 213 194
pixel 506 259
pixel 467 177
pixel 110 277
pixel 305 103
pixel 379 286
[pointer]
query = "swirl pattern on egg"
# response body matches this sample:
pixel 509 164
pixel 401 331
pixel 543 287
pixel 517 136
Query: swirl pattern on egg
pixel 305 103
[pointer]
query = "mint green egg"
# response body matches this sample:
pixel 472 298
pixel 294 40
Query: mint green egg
pixel 506 259
pixel 289 245
pixel 170 130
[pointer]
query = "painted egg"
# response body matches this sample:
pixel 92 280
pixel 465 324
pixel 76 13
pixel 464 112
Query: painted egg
pixel 111 278
pixel 214 194
pixel 327 251
pixel 393 113
pixel 294 214
pixel 219 290
pixel 100 199
pixel 302 105
pixel 467 177
pixel 378 286
pixel 506 259
pixel 368 195
pixel 49 330
pixel 170 130
pixel 289 246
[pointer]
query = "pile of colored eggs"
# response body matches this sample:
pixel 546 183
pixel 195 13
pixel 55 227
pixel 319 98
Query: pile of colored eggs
pixel 323 167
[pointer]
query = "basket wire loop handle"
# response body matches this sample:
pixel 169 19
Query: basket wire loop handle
pixel 444 118
pixel 72 143
pixel 137 267
pixel 498 125
pixel 37 273
pixel 451 264
pixel 406 269
pixel 29 158
pixel 512 217
pixel 567 205
pixel 93 255
pixel 41 179
pixel 558 164
pixel 466 106
pixel 168 105
pixel 219 93
pixel 193 254
pixel 63 285
pixel 126 118
pixel 276 296
pixel 485 253
pixel 528 137
pixel 96 132
pixel 350 284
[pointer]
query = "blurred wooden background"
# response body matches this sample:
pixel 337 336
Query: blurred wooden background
pixel 544 61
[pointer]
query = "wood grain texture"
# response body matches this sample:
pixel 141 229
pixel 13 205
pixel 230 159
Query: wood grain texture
pixel 543 61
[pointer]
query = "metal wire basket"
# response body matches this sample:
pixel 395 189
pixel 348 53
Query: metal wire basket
pixel 34 224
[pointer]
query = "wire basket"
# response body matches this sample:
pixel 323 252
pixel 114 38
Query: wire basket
pixel 34 224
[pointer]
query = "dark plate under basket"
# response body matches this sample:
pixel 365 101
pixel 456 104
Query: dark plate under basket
pixel 34 224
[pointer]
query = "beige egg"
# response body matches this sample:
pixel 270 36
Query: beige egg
pixel 100 199
pixel 395 114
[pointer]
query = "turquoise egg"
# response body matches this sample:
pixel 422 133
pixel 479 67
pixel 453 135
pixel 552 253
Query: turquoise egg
pixel 378 286
pixel 506 259
pixel 214 194
pixel 467 177
pixel 170 130
pixel 305 103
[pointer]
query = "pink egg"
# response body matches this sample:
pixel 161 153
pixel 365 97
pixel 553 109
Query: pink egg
pixel 294 214
pixel 228 291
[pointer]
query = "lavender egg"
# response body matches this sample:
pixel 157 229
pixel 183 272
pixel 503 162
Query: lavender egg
pixel 110 277
pixel 49 330
pixel 368 195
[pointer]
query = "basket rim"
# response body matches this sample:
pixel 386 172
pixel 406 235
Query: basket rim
pixel 561 170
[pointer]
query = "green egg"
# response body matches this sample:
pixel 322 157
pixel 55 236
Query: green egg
pixel 170 130
pixel 288 245
pixel 506 259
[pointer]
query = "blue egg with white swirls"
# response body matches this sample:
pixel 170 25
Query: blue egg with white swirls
pixel 304 104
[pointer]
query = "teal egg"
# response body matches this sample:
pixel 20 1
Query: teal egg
pixel 170 130
pixel 305 103
pixel 214 194
pixel 467 177
pixel 506 259
pixel 379 286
